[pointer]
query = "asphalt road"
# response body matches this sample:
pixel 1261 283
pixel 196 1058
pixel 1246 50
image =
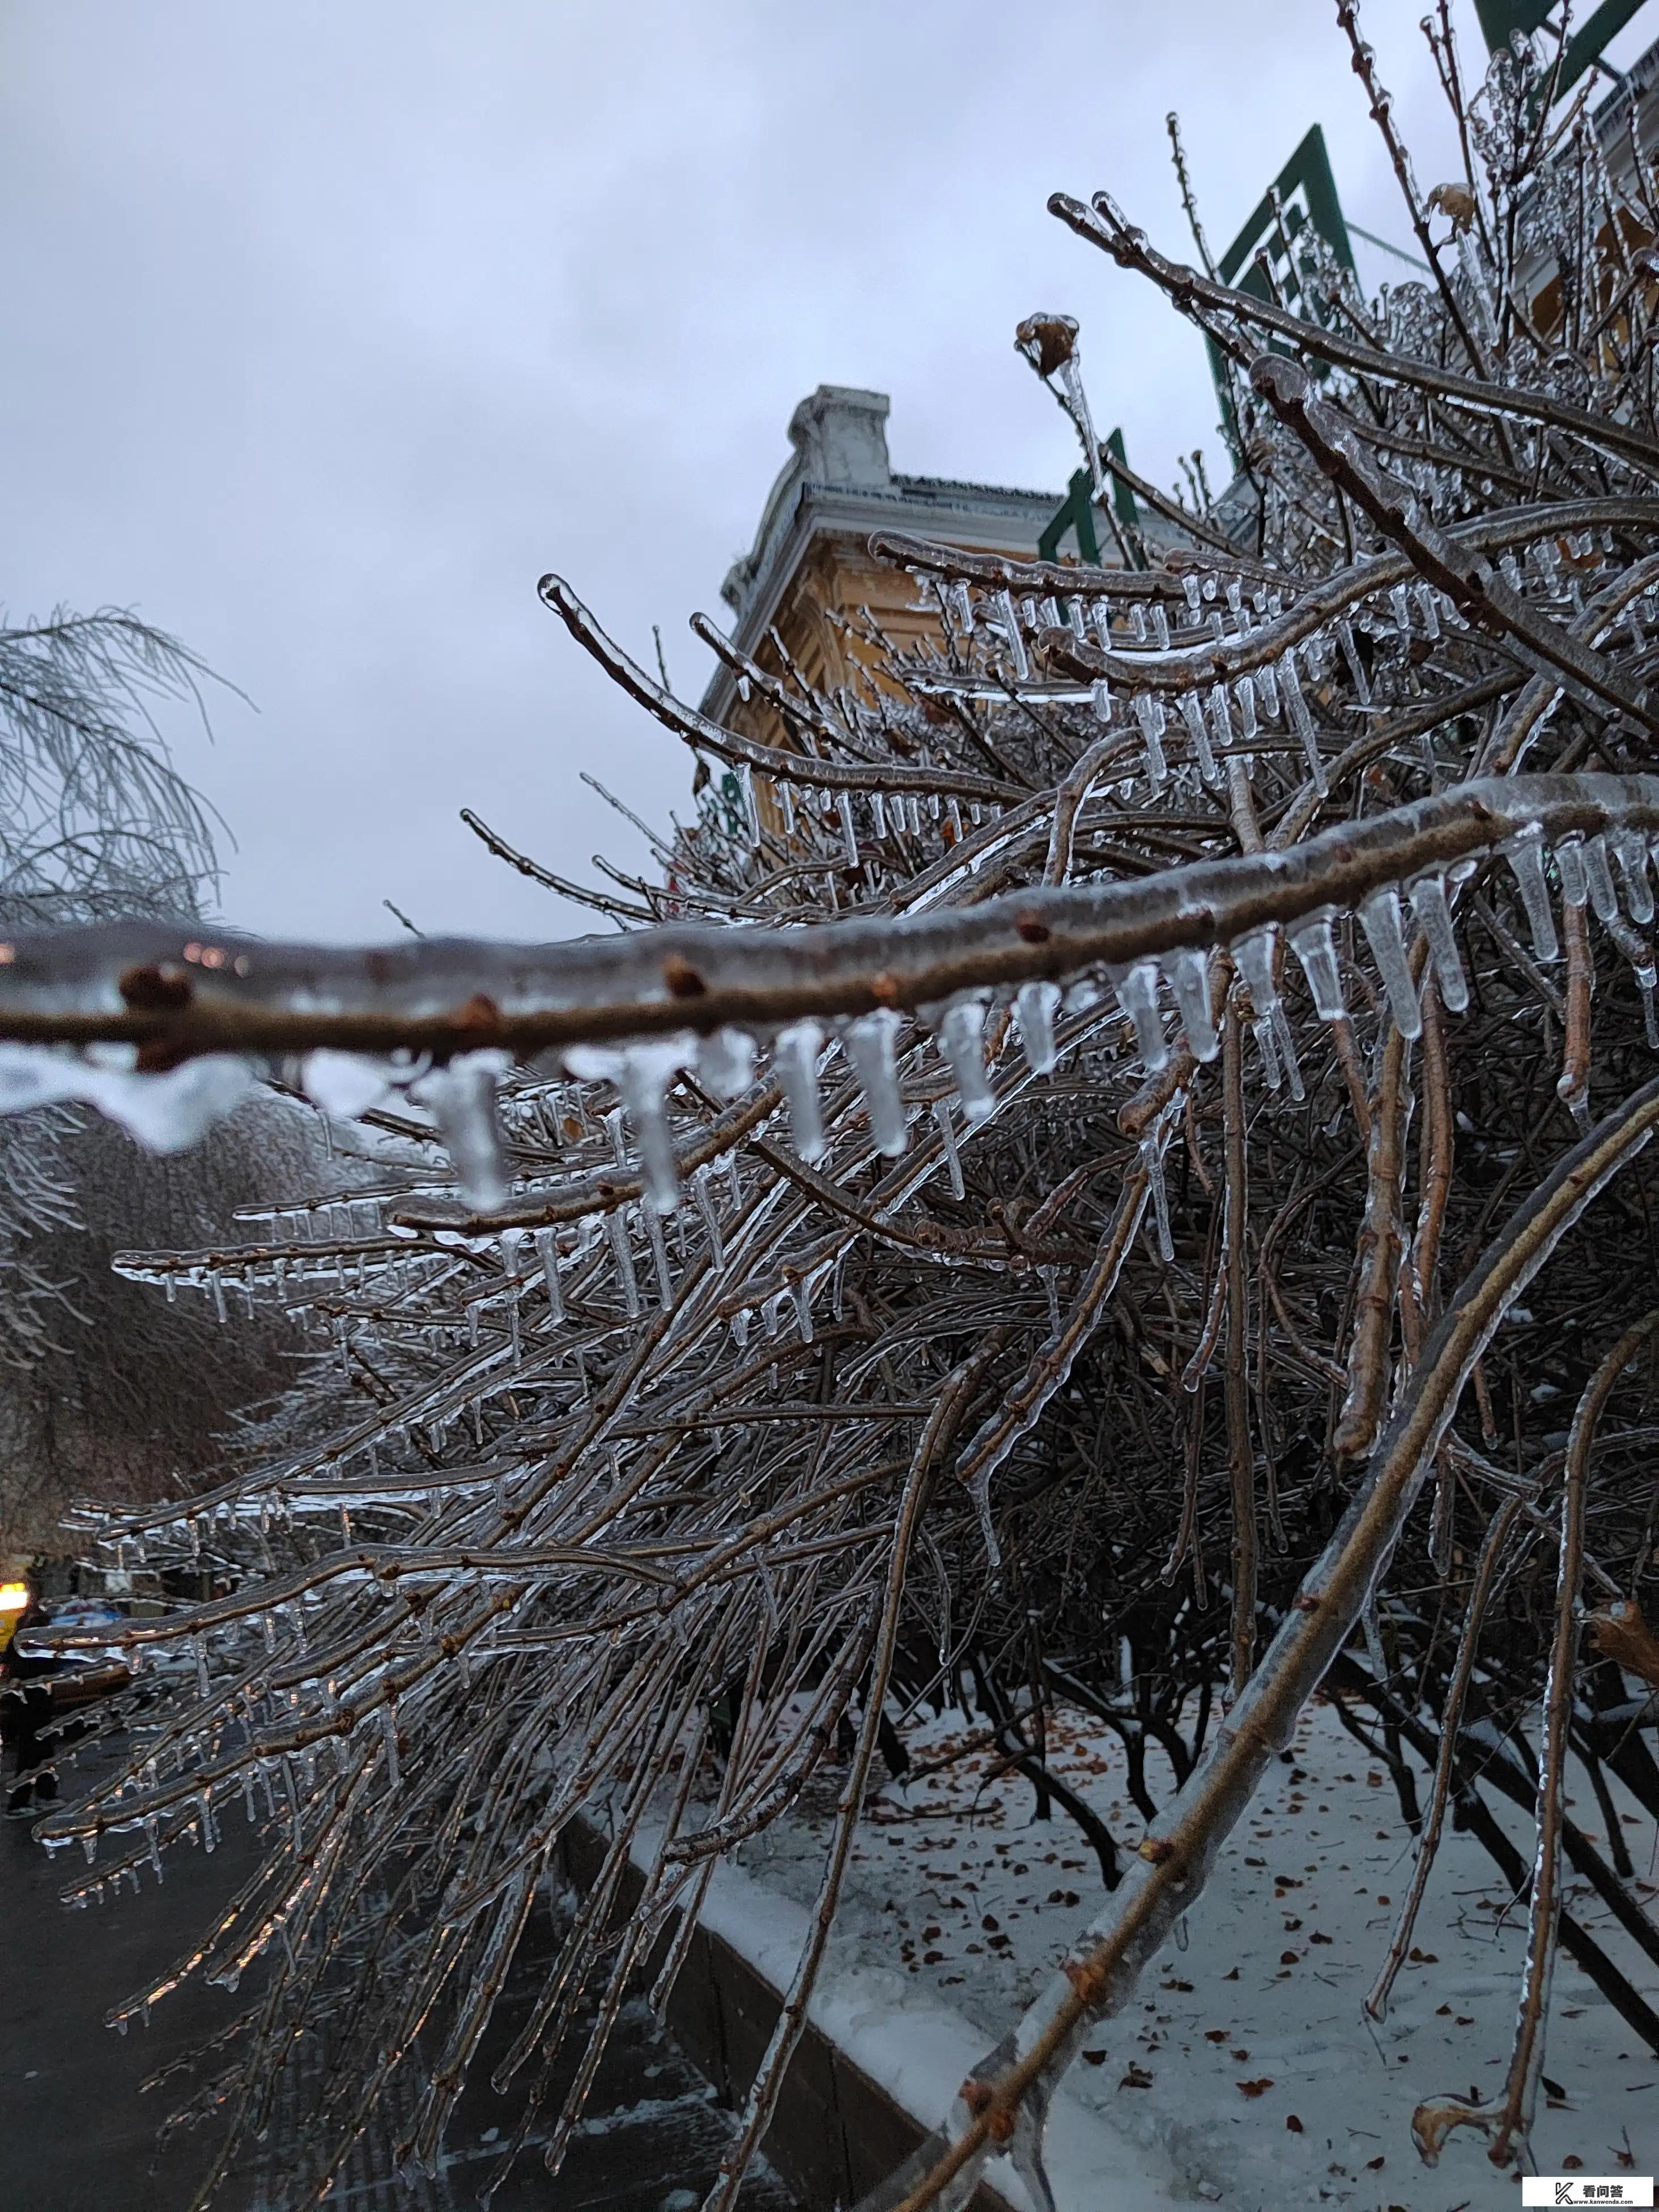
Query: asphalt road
pixel 76 2136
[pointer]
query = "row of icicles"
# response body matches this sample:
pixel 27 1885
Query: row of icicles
pixel 1591 872
pixel 1222 717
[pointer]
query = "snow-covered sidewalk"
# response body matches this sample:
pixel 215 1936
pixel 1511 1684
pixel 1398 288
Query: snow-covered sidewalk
pixel 1248 2074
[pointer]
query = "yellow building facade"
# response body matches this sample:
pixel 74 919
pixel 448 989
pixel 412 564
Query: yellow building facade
pixel 809 573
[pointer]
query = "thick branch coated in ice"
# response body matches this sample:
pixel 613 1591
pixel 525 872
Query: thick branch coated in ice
pixel 1221 660
pixel 176 995
pixel 1484 599
pixel 1104 225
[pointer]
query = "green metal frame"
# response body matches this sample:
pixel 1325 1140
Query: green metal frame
pixel 1503 20
pixel 1309 171
pixel 1077 511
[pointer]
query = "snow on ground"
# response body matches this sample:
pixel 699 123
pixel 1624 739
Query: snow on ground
pixel 1247 2069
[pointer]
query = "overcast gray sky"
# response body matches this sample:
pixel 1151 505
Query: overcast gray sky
pixel 333 323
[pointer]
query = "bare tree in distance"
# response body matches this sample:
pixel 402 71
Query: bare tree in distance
pixel 95 822
pixel 106 1394
pixel 1083 1208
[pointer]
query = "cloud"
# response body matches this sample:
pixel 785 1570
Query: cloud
pixel 332 327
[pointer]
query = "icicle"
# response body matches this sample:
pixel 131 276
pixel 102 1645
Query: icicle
pixel 1100 700
pixel 1100 614
pixel 1429 607
pixel 1630 852
pixel 703 1200
pixel 547 1251
pixel 849 833
pixel 389 1737
pixel 1245 694
pixel 1253 954
pixel 962 605
pixel 1302 723
pixel 1267 684
pixel 202 1683
pixel 787 801
pixel 1138 622
pixel 869 1042
pixel 1570 866
pixel 726 1062
pixel 1316 948
pixel 802 1287
pixel 1525 854
pixel 1034 1016
pixel 1645 977
pixel 345 1084
pixel 947 1132
pixel 795 1064
pixel 1149 713
pixel 1189 585
pixel 1220 718
pixel 622 1251
pixel 659 1254
pixel 1475 277
pixel 1151 1158
pixel 643 1073
pixel 1192 713
pixel 1137 990
pixel 1005 606
pixel 1401 608
pixel 740 1327
pixel 1344 638
pixel 1379 916
pixel 1266 1045
pixel 979 1490
pixel 1428 897
pixel 1188 971
pixel 959 1033
pixel 461 1099
pixel 878 814
pixel 770 1308
pixel 1604 899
